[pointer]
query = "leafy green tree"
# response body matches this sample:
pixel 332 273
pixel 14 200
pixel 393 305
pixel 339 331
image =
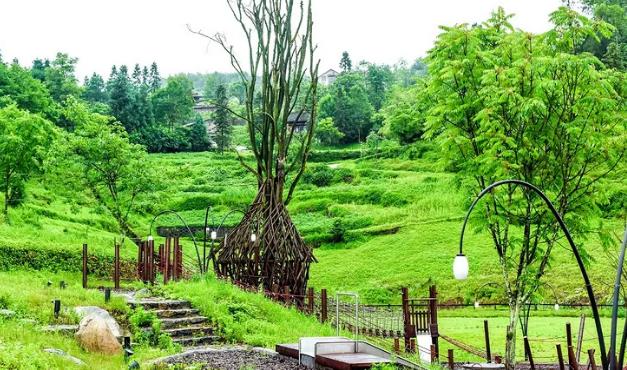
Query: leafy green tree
pixel 379 79
pixel 327 133
pixel 18 86
pixel 112 168
pixel 347 103
pixel 38 69
pixel 137 76
pixel 174 103
pixel 611 49
pixel 509 104
pixel 94 89
pixel 212 81
pixel 24 142
pixel 198 137
pixel 345 63
pixel 222 120
pixel 60 78
pixel 404 115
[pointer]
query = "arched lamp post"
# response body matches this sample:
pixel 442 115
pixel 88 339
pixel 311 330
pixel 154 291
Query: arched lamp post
pixel 191 234
pixel 214 232
pixel 460 270
pixel 477 304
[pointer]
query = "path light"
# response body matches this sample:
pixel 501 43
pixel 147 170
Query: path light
pixel 476 304
pixel 253 237
pixel 460 267
pixel 214 235
pixel 556 307
pixel 150 238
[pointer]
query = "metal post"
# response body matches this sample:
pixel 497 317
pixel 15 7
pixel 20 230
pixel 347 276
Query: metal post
pixel 84 266
pixel 57 308
pixel 107 294
pixel 486 333
pixel 580 332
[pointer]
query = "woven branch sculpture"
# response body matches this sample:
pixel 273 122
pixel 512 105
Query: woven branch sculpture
pixel 280 75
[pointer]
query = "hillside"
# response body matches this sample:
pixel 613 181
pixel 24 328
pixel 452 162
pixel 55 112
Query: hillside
pixel 398 221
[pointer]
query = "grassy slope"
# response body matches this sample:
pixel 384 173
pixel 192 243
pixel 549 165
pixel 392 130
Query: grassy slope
pixel 402 219
pixel 21 339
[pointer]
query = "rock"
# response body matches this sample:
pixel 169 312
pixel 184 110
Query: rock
pixel 61 329
pixel 94 334
pixel 64 354
pixel 7 313
pixel 86 311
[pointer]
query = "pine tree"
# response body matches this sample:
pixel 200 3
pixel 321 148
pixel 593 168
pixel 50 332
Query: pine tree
pixel 145 76
pixel 39 67
pixel 198 135
pixel 154 79
pixel 223 128
pixel 345 63
pixel 94 89
pixel 137 75
pixel 121 99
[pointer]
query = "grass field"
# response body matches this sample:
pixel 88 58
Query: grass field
pixel 400 221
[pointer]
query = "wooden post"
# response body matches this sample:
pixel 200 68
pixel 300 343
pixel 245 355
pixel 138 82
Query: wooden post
pixel 569 336
pixel 560 356
pixel 161 258
pixel 593 363
pixel 451 362
pixel 310 300
pixel 151 261
pixel 179 261
pixel 529 355
pixel 175 259
pixel 140 250
pixel 116 268
pixel 434 356
pixel 486 333
pixel 580 332
pixel 323 305
pixel 572 359
pixel 397 345
pixel 433 318
pixel 406 319
pixel 84 266
pixel 166 261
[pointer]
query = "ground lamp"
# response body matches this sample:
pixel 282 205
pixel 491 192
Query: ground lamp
pixel 609 361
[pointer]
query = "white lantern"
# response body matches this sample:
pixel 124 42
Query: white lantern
pixel 460 267
pixel 476 304
pixel 214 235
pixel 150 238
pixel 253 237
pixel 557 307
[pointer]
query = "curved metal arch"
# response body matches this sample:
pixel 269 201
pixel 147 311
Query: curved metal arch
pixel 191 234
pixel 564 228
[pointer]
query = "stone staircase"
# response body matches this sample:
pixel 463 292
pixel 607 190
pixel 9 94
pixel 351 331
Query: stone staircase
pixel 180 321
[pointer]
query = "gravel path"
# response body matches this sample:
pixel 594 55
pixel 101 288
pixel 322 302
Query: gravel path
pixel 235 359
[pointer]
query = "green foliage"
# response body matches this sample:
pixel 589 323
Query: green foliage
pixel 348 105
pixel 60 79
pixel 18 85
pixel 24 142
pixel 327 133
pixel 174 103
pixel 404 116
pixel 146 329
pixel 319 175
pixel 95 89
pixel 337 231
pixel 198 137
pixel 345 63
pixel 243 317
pixel 221 118
pixel 379 79
pixel 109 165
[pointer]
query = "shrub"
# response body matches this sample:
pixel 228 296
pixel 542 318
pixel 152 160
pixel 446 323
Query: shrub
pixel 338 230
pixel 320 175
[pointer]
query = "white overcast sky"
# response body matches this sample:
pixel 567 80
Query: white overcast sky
pixel 102 33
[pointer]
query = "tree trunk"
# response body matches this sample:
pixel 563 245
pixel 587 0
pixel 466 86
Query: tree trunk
pixel 510 338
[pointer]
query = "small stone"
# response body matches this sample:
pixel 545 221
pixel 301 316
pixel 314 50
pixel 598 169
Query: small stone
pixel 64 354
pixel 7 313
pixel 61 329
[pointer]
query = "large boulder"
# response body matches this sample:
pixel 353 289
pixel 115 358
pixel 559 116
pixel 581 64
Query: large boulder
pixel 84 312
pixel 98 332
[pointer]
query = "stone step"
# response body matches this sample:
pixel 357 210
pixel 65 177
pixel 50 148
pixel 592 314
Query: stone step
pixel 170 323
pixel 196 341
pixel 196 331
pixel 158 304
pixel 176 313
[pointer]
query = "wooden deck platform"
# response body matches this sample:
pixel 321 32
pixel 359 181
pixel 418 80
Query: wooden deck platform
pixel 289 350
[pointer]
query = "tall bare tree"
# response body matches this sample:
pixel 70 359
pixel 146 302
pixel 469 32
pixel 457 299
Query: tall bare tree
pixel 280 75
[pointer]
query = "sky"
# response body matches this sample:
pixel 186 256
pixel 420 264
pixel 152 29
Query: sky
pixel 103 33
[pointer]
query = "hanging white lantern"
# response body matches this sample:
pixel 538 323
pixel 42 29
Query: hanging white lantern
pixel 460 267
pixel 214 235
pixel 253 237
